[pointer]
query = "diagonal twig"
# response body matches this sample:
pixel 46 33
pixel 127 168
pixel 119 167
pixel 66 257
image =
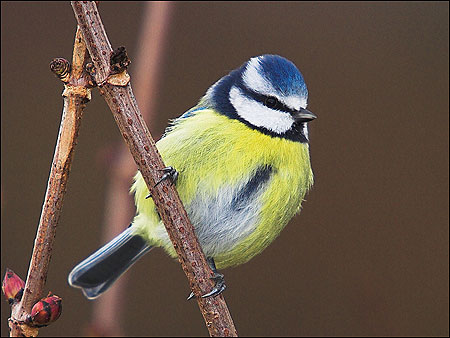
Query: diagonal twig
pixel 118 94
pixel 108 310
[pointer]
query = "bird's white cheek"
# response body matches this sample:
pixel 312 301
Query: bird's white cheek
pixel 258 114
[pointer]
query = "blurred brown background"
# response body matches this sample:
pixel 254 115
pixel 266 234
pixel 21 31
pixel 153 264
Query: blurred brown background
pixel 369 253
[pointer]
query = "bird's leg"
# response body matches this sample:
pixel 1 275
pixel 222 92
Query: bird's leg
pixel 169 172
pixel 218 278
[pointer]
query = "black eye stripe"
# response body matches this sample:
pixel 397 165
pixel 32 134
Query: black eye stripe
pixel 264 98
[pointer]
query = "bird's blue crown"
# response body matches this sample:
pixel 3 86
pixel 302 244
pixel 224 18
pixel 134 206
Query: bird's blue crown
pixel 283 75
pixel 243 94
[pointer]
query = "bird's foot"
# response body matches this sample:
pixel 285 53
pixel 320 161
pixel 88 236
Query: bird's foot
pixel 169 173
pixel 219 282
pixel 218 288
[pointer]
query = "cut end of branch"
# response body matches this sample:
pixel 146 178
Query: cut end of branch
pixel 61 68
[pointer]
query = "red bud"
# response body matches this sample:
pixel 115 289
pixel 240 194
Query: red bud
pixel 12 287
pixel 46 311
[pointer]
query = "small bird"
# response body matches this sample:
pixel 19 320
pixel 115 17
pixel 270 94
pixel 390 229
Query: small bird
pixel 240 162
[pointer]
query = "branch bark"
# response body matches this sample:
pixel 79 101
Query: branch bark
pixel 119 97
pixel 76 94
pixel 107 311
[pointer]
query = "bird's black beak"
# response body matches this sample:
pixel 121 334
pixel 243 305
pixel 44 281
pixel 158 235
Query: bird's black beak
pixel 303 115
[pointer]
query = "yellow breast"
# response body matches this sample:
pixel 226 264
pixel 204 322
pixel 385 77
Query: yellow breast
pixel 215 156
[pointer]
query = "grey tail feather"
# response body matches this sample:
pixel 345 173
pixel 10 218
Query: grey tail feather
pixel 100 270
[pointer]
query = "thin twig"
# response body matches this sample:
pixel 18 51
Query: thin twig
pixel 119 97
pixel 76 94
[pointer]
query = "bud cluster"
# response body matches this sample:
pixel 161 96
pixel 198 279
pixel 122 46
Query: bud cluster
pixel 44 312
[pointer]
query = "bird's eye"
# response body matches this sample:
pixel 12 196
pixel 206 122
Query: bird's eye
pixel 271 102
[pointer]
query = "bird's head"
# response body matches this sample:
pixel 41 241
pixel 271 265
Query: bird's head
pixel 267 93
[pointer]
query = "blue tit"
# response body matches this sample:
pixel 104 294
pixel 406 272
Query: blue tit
pixel 243 165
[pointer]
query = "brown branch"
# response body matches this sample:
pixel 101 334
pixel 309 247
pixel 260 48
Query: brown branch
pixel 76 94
pixel 118 94
pixel 108 309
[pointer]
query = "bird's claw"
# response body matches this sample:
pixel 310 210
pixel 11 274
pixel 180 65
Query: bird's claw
pixel 219 285
pixel 169 172
pixel 218 288
pixel 191 295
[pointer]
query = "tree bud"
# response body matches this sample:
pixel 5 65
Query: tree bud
pixel 46 311
pixel 12 287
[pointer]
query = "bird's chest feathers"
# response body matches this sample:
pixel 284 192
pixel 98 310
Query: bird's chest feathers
pixel 234 178
pixel 224 217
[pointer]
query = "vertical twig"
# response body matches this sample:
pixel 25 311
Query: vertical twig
pixel 76 94
pixel 119 97
pixel 107 314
